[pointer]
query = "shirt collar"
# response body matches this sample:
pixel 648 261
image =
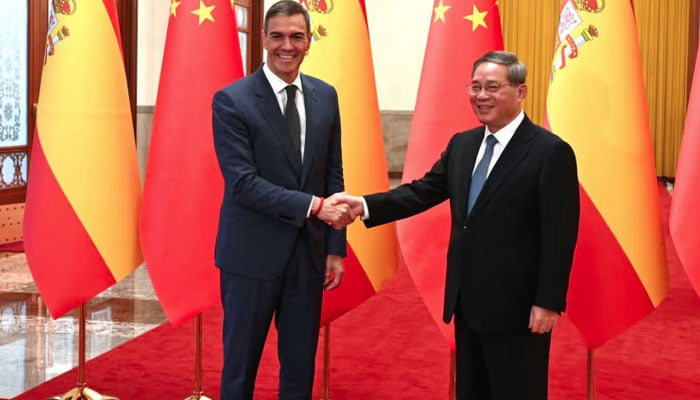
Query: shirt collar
pixel 277 83
pixel 506 133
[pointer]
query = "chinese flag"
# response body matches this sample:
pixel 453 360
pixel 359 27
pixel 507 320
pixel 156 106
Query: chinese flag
pixel 183 184
pixel 461 31
pixel 685 210
pixel 597 103
pixel 80 222
pixel 340 54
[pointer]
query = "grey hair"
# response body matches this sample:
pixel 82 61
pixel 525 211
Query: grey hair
pixel 517 72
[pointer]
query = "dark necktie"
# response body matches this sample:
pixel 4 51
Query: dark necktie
pixel 291 116
pixel 480 173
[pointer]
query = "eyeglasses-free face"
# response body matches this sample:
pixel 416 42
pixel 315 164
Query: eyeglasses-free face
pixel 287 43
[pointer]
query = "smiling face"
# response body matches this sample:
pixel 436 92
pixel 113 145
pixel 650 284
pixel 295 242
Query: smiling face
pixel 287 43
pixel 496 110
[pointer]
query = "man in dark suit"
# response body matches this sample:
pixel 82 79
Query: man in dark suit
pixel 277 139
pixel 515 210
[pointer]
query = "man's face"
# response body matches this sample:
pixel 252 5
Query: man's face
pixel 287 43
pixel 496 109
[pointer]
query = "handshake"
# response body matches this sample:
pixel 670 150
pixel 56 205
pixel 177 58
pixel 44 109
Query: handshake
pixel 339 210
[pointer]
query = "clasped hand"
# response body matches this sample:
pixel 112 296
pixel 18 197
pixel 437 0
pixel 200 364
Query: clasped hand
pixel 340 210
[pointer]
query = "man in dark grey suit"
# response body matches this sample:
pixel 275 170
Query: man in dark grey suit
pixel 277 139
pixel 513 192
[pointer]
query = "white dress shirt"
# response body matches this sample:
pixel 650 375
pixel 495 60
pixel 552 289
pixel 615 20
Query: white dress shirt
pixel 503 136
pixel 278 86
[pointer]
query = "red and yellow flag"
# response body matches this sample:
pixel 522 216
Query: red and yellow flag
pixel 461 31
pixel 685 210
pixel 183 183
pixel 597 103
pixel 340 54
pixel 80 223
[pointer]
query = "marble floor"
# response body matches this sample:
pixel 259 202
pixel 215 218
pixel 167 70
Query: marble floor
pixel 35 348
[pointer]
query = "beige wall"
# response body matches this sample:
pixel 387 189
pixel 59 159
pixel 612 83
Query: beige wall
pixel 153 24
pixel 398 34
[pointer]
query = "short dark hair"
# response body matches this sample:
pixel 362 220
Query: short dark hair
pixel 288 8
pixel 517 72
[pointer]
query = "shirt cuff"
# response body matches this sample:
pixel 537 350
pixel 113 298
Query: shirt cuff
pixel 365 214
pixel 311 204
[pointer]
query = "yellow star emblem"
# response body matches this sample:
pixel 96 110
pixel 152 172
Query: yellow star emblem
pixel 173 7
pixel 440 11
pixel 204 12
pixel 477 17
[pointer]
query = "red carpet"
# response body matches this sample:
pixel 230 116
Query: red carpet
pixel 389 348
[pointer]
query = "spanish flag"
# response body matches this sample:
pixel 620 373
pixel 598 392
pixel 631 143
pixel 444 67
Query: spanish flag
pixel 461 31
pixel 80 224
pixel 597 103
pixel 684 217
pixel 183 185
pixel 340 54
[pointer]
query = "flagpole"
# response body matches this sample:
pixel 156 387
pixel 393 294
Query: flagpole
pixel 590 375
pixel 198 392
pixel 326 362
pixel 453 376
pixel 81 391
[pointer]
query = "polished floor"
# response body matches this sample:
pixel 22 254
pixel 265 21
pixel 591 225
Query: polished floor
pixel 35 348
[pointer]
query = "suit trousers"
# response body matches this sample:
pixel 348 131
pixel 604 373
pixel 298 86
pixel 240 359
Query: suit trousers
pixel 249 305
pixel 500 366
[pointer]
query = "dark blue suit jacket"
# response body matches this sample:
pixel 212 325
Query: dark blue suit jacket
pixel 266 195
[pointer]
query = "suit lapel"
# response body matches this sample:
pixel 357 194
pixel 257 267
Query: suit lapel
pixel 311 104
pixel 266 101
pixel 512 156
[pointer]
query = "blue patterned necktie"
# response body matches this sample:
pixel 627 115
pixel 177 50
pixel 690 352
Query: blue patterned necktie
pixel 480 173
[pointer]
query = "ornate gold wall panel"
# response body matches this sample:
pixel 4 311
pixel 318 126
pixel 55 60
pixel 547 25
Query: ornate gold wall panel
pixel 664 31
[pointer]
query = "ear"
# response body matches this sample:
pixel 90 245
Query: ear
pixel 522 91
pixel 309 37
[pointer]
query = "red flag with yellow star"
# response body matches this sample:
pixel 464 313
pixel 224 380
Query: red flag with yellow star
pixel 461 31
pixel 183 184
